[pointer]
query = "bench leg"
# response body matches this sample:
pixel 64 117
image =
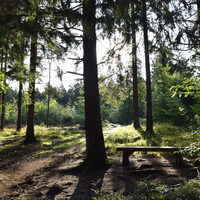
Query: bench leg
pixel 126 155
pixel 179 159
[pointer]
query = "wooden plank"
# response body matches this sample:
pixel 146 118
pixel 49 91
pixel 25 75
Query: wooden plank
pixel 128 150
pixel 150 148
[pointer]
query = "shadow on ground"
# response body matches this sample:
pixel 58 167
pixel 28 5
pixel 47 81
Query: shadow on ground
pixel 55 182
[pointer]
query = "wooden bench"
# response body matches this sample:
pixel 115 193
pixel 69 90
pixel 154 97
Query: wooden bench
pixel 127 151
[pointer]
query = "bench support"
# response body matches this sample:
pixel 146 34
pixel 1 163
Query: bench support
pixel 127 151
pixel 126 155
pixel 179 158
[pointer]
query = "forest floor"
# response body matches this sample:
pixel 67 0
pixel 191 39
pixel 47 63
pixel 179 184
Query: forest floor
pixel 27 174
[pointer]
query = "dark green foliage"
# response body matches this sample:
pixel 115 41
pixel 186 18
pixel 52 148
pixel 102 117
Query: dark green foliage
pixel 145 190
pixel 165 106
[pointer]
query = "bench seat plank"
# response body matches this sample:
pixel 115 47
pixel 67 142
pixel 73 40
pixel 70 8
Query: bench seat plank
pixel 150 148
pixel 128 150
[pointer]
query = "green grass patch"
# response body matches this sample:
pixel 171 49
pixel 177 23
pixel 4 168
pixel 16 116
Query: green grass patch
pixel 11 140
pixel 173 135
pixel 45 152
pixel 124 136
pixel 165 135
pixel 68 144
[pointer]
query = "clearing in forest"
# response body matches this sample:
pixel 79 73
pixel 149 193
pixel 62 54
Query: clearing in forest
pixel 40 171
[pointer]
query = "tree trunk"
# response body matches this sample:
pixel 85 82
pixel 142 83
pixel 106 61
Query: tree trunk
pixel 3 96
pixel 149 117
pixel 129 106
pixel 19 114
pixel 95 148
pixel 30 137
pixel 136 122
pixel 198 15
pixel 1 90
pixel 48 97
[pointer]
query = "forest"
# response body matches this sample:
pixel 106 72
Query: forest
pixel 138 84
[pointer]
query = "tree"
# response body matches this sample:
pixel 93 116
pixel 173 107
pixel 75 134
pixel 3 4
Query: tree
pixel 30 136
pixel 19 105
pixel 48 95
pixel 7 8
pixel 166 108
pixel 3 94
pixel 136 122
pixel 95 147
pixel 149 117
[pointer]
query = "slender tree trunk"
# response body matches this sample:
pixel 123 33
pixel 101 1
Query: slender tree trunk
pixel 19 114
pixel 198 15
pixel 3 96
pixel 95 148
pixel 149 117
pixel 2 72
pixel 136 122
pixel 30 137
pixel 129 106
pixel 48 97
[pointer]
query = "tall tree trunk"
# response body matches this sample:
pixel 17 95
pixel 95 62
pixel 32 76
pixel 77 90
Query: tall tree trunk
pixel 19 114
pixel 136 122
pixel 129 106
pixel 30 137
pixel 48 97
pixel 149 117
pixel 2 72
pixel 198 15
pixel 21 79
pixel 3 96
pixel 95 148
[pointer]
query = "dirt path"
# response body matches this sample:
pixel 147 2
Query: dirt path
pixel 46 177
pixel 12 176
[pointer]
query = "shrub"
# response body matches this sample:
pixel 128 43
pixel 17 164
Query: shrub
pixel 145 190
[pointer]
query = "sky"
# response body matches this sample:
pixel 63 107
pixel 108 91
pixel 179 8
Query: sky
pixel 68 65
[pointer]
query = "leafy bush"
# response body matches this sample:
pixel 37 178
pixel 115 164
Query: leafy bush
pixel 58 115
pixel 190 190
pixel 111 196
pixel 11 113
pixel 145 190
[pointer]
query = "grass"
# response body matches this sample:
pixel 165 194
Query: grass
pixel 165 135
pixel 51 139
pixel 123 136
pixel 55 138
pixel 69 144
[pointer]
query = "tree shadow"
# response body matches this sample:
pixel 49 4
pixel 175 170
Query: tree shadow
pixel 150 168
pixel 185 169
pixel 11 140
pixel 89 182
pixel 16 152
pixel 152 140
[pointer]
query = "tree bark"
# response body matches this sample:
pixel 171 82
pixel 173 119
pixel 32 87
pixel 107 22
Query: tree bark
pixel 95 148
pixel 19 114
pixel 2 72
pixel 198 15
pixel 3 96
pixel 136 122
pixel 30 136
pixel 149 117
pixel 48 95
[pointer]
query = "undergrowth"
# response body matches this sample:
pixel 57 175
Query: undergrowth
pixel 50 139
pixel 145 190
pixel 164 135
